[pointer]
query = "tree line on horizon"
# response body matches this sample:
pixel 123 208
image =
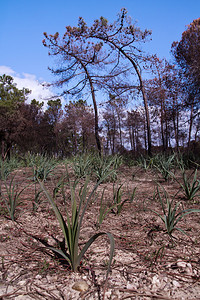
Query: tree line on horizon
pixel 108 57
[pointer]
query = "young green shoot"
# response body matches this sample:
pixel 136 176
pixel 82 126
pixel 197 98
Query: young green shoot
pixel 72 226
pixel 172 214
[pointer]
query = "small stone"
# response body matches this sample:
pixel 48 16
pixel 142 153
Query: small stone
pixel 129 286
pixel 80 286
pixel 155 283
pixel 188 269
pixel 176 283
pixel 155 280
pixel 181 264
pixel 22 282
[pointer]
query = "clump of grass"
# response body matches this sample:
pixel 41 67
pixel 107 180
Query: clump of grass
pixel 37 197
pixel 99 167
pixel 82 165
pixel 42 166
pixel 117 198
pixel 190 185
pixel 145 162
pixel 115 205
pixel 172 214
pixel 164 164
pixel 104 209
pixel 10 193
pixel 102 167
pixel 7 166
pixel 69 249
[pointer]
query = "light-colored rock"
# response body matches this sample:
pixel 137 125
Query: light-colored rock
pixel 155 283
pixel 22 282
pixel 176 283
pixel 186 267
pixel 80 286
pixel 155 280
pixel 181 264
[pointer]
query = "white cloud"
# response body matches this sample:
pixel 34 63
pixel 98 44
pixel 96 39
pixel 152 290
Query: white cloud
pixel 24 80
pixel 6 70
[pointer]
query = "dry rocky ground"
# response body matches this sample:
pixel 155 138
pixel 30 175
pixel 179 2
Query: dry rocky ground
pixel 146 264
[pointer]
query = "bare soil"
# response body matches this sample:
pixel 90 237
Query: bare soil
pixel 147 264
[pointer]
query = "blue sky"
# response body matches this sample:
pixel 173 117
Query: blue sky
pixel 22 23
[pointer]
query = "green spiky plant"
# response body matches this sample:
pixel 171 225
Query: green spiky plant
pixel 116 205
pixel 37 198
pixel 172 214
pixel 117 198
pixel 72 226
pixel 106 167
pixel 11 195
pixel 104 209
pixel 82 165
pixel 164 165
pixel 189 185
pixel 42 165
pixel 190 188
pixel 145 162
pixel 7 166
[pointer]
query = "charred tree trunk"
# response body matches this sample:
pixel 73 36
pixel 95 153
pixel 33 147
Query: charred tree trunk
pixel 191 124
pixel 96 118
pixel 148 127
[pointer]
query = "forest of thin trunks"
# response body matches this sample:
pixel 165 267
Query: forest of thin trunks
pixel 62 133
pixel 70 132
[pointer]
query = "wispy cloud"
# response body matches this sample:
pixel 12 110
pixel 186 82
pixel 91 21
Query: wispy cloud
pixel 6 70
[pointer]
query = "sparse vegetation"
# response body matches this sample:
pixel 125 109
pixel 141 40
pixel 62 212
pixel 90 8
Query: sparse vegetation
pixel 78 211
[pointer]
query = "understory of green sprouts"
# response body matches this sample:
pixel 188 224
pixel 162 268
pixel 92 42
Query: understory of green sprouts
pixel 59 187
pixel 82 165
pixel 42 165
pixel 145 162
pixel 118 200
pixel 37 197
pixel 98 167
pixel 102 167
pixel 7 166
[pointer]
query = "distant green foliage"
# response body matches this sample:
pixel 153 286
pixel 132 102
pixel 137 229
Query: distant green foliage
pixel 42 165
pixel 96 166
pixel 9 165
